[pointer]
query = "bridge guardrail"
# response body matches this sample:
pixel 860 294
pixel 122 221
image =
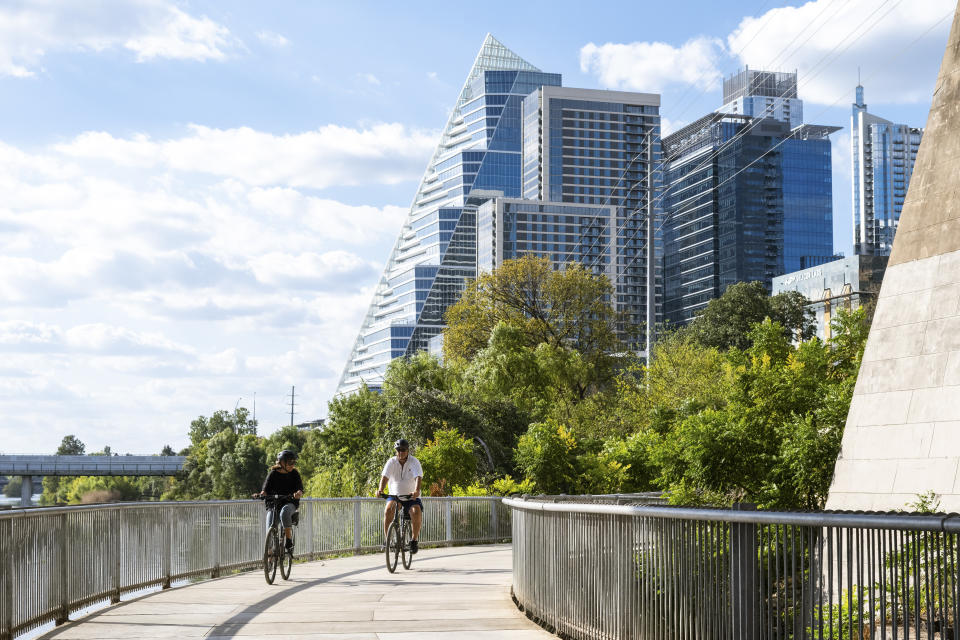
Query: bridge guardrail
pixel 57 560
pixel 616 572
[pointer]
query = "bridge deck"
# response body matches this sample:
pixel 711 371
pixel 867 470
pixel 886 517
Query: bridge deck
pixel 459 592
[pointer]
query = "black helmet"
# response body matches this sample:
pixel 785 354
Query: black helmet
pixel 287 456
pixel 401 444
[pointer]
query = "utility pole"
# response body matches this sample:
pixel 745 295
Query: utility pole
pixel 292 397
pixel 651 293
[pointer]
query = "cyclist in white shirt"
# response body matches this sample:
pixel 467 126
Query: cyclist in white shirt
pixel 404 476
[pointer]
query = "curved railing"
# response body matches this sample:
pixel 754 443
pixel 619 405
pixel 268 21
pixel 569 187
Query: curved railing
pixel 58 560
pixel 615 572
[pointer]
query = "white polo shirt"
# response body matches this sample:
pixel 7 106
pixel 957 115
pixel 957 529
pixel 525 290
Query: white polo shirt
pixel 402 480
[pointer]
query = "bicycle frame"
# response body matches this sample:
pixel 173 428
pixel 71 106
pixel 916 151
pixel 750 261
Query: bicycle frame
pixel 274 551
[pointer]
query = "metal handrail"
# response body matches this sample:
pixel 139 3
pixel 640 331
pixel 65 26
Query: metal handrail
pixel 623 572
pixel 56 560
pixel 946 522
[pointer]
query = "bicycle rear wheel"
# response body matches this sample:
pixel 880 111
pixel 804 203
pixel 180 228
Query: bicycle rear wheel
pixel 393 546
pixel 271 556
pixel 405 546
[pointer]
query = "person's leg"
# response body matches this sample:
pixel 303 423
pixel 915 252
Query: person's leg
pixel 416 516
pixel 388 512
pixel 286 518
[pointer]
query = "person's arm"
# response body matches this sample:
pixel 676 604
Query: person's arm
pixel 299 485
pixel 384 479
pixel 383 485
pixel 416 492
pixel 266 483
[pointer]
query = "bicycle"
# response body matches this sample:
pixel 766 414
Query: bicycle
pixel 398 536
pixel 274 553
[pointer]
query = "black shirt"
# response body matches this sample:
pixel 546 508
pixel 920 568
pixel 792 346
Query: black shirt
pixel 283 483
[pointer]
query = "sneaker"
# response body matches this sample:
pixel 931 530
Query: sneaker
pixel 289 545
pixel 414 546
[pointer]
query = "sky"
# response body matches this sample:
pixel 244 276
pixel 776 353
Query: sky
pixel 198 198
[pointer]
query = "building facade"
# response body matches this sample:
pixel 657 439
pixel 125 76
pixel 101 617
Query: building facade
pixel 745 200
pixel 435 253
pixel 883 154
pixel 848 283
pixel 745 197
pixel 595 148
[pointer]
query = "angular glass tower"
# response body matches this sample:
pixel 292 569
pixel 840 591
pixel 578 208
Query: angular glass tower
pixel 883 156
pixel 479 156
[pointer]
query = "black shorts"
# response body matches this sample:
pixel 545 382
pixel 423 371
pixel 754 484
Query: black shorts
pixel 406 503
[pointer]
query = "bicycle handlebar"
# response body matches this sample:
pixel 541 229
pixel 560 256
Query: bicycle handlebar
pixel 406 496
pixel 274 496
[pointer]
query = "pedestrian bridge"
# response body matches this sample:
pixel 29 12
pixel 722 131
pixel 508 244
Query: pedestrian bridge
pixel 580 566
pixel 33 467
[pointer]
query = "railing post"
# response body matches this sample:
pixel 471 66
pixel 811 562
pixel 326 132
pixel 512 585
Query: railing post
pixel 166 521
pixel 63 615
pixel 744 570
pixel 357 524
pixel 117 539
pixel 215 542
pixel 493 502
pixel 448 513
pixel 6 605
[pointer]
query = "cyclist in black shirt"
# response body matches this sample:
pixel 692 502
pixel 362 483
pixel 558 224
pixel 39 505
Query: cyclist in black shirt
pixel 284 480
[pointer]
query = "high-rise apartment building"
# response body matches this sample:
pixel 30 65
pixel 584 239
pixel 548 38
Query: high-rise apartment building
pixel 479 155
pixel 763 94
pixel 745 198
pixel 598 148
pixel 883 155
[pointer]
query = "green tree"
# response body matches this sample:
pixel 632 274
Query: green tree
pixel 547 456
pixel 238 421
pixel 448 461
pixel 568 309
pixel 53 493
pixel 726 321
pixel 12 488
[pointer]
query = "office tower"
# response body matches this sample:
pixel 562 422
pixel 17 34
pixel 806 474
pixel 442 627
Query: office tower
pixel 601 149
pixel 883 155
pixel 744 199
pixel 478 156
pixel 763 94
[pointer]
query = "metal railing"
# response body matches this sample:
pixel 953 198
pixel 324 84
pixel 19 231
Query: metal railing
pixel 58 560
pixel 616 572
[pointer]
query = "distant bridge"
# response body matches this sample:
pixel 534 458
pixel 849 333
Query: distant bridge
pixel 30 467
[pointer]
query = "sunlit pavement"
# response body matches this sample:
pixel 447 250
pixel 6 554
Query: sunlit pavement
pixel 459 592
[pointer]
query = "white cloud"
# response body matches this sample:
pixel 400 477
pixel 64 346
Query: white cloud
pixel 149 28
pixel 128 273
pixel 333 155
pixel 826 42
pixel 653 66
pixel 272 39
pixel 369 78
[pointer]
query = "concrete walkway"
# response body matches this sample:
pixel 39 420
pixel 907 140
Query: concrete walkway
pixel 459 592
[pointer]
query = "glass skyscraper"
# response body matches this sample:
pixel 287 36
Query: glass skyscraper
pixel 745 198
pixel 883 155
pixel 479 156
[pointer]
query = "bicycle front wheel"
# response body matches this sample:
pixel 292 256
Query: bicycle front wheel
pixel 286 563
pixel 271 556
pixel 393 546
pixel 405 546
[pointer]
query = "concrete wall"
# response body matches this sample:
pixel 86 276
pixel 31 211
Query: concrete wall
pixel 902 435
